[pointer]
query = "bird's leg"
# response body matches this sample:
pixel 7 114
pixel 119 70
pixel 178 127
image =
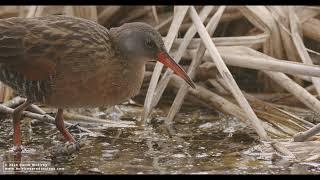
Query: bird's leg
pixel 60 125
pixel 16 116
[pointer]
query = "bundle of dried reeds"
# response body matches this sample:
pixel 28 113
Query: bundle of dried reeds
pixel 269 44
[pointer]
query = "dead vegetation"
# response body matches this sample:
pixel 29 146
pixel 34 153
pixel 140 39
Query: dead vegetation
pixel 276 46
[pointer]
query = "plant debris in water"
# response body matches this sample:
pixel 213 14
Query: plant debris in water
pixel 203 147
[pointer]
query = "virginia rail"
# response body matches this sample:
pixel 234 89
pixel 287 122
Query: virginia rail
pixel 69 62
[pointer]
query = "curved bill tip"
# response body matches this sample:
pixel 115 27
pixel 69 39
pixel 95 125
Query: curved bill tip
pixel 166 60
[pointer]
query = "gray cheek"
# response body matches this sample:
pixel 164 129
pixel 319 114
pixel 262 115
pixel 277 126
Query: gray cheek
pixel 132 46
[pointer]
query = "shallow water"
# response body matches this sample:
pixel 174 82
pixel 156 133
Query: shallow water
pixel 206 142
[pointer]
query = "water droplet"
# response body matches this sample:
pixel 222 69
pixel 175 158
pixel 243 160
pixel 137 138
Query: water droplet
pixel 179 155
pixel 202 155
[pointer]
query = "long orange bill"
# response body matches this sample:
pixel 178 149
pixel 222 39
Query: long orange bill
pixel 166 60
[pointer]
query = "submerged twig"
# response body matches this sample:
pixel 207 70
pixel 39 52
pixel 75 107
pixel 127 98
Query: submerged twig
pixel 45 118
pixel 14 102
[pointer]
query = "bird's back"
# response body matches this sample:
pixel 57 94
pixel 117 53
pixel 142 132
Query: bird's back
pixel 34 50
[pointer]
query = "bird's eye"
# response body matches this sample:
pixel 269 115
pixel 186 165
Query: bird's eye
pixel 150 43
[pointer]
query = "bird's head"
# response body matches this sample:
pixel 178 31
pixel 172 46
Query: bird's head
pixel 139 41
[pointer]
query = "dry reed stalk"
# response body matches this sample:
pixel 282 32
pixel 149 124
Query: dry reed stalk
pixel 173 31
pixel 87 12
pixel 6 92
pixel 40 11
pixel 227 41
pixel 83 118
pixel 303 151
pixel 182 48
pixel 137 12
pixel 226 17
pixel 306 13
pixel 155 14
pixel 311 29
pixel 32 11
pixel 280 119
pixel 299 92
pixel 232 86
pixel 35 109
pixel 164 23
pixel 284 81
pixel 304 96
pixel 305 78
pixel 218 102
pixel 227 76
pixel 270 97
pixel 298 42
pixel 37 11
pixel 287 122
pixel 298 110
pixel 14 102
pixel 302 136
pixel 107 14
pixel 279 14
pixel 238 56
pixel 283 150
pixel 312 32
pixel 176 105
pixel 259 61
pixel 231 16
pixel 9 11
pixel 313 158
pixel 23 11
pixel 218 87
pixel 290 116
pixel 261 17
pixel 290 99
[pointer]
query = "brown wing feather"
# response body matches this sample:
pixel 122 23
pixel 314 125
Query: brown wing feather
pixel 18 54
pixel 39 47
pixel 37 70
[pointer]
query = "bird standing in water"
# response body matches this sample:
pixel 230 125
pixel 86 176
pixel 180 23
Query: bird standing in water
pixel 69 62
